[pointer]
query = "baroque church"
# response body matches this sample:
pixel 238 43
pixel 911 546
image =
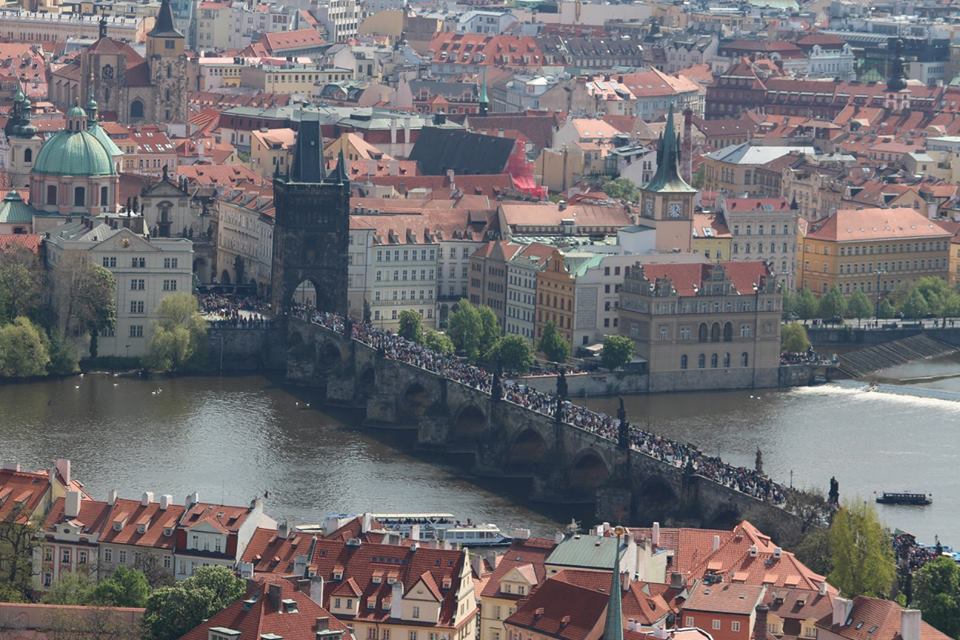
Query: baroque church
pixel 128 87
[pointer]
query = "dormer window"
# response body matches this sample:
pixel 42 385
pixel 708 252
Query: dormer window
pixel 289 605
pixel 338 573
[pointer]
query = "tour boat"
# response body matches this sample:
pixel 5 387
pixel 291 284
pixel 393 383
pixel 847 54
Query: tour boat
pixel 915 499
pixel 479 535
pixel 429 525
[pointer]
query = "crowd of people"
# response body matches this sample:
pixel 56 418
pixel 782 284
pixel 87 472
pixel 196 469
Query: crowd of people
pixel 911 555
pixel 681 455
pixel 233 311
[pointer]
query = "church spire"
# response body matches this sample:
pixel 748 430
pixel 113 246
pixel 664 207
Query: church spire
pixel 895 82
pixel 613 625
pixel 165 27
pixel 307 164
pixel 340 173
pixel 667 177
pixel 484 100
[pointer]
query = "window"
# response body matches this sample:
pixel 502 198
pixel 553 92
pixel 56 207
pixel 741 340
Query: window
pixel 715 624
pixel 51 194
pixel 123 557
pixel 169 285
pixel 137 284
pixel 701 361
pixel 683 362
pixel 104 196
pixel 170 263
pixel 136 107
pixel 713 361
pixel 726 361
pixel 110 261
pixel 744 359
pixel 416 612
pixel 136 306
pixel 136 331
pixel 168 44
pixel 735 625
pixel 413 635
pixel 138 263
pixel 48 554
pixel 79 196
pixel 28 156
pixel 108 555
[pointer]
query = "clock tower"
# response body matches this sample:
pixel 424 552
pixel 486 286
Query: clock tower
pixel 667 200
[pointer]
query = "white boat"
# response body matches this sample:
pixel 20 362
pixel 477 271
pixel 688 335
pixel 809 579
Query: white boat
pixel 428 525
pixel 479 535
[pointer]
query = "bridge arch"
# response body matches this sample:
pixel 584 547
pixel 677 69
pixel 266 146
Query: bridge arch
pixel 414 402
pixel 328 355
pixel 469 424
pixel 527 450
pixel 657 491
pixel 366 382
pixel 588 471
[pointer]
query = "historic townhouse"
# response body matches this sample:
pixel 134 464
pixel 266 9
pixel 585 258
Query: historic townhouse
pixel 139 534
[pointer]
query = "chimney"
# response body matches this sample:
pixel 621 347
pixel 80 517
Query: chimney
pixel 841 611
pixel 777 552
pixel 316 589
pixel 147 498
pixel 396 601
pixel 415 532
pixel 716 543
pixel 451 177
pixel 165 501
pixel 910 624
pixel 760 624
pixel 112 499
pixel 273 596
pixel 71 504
pixel 62 466
pixel 366 523
pixel 624 580
pixel 300 565
pixel 323 623
pixel 283 530
pixel 439 118
pixel 676 580
pixel 191 500
pixel 823 588
pixel 754 551
pixel 558 537
pixel 655 534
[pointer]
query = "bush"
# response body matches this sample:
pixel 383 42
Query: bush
pixel 411 326
pixel 553 345
pixel 617 351
pixel 23 350
pixel 179 341
pixel 793 338
pixel 439 342
pixel 513 352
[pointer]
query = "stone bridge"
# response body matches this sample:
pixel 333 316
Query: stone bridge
pixel 559 463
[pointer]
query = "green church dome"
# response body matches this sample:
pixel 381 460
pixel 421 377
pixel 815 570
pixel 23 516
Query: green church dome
pixel 74 153
pixel 13 210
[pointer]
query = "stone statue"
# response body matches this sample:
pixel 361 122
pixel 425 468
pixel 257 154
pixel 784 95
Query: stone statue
pixel 562 383
pixel 834 496
pixel 623 429
pixel 496 386
pixel 558 414
pixel 758 463
pixel 348 328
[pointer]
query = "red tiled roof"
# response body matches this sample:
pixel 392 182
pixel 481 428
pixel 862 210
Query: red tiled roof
pixel 875 619
pixel 92 517
pixel 21 493
pixel 877 224
pixel 262 617
pixel 29 241
pixel 724 597
pixel 225 518
pixel 531 552
pixel 222 175
pixel 688 278
pixel 560 609
pixel 126 517
pixel 280 41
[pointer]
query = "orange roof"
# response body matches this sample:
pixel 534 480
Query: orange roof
pixel 280 41
pixel 548 214
pixel 21 493
pixel 857 225
pixel 131 522
pixel 725 597
pixel 29 241
pixel 875 619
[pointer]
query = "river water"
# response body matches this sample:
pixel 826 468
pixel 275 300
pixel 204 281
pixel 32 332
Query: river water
pixel 234 438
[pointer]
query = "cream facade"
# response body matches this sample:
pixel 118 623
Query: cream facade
pixel 245 238
pixel 764 230
pixel 23 26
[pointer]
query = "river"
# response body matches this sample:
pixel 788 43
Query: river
pixel 234 438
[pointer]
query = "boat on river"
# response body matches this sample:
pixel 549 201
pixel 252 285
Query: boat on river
pixel 905 498
pixel 478 535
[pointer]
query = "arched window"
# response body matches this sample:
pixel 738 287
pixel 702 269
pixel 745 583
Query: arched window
pixel 52 194
pixel 104 196
pixel 714 361
pixel 726 361
pixel 79 196
pixel 169 71
pixel 28 156
pixel 728 332
pixel 701 361
pixel 683 361
pixel 702 332
pixel 715 332
pixel 136 108
pixel 744 359
pixel 166 95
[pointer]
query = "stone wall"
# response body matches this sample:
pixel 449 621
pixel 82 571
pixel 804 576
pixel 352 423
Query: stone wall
pixel 244 350
pixel 594 383
pixel 713 379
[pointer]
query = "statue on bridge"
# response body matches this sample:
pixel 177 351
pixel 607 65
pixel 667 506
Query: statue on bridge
pixel 623 429
pixel 348 328
pixel 496 385
pixel 758 462
pixel 833 497
pixel 562 383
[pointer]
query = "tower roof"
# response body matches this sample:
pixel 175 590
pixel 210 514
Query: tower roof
pixel 165 27
pixel 307 164
pixel 613 625
pixel 667 178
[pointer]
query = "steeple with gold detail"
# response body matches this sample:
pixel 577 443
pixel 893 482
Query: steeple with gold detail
pixel 667 200
pixel 164 40
pixel 613 624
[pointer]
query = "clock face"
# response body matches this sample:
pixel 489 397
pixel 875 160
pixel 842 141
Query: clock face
pixel 108 72
pixel 674 209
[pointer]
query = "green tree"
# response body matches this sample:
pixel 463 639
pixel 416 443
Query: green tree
pixel 861 552
pixel 915 306
pixel 858 306
pixel 936 592
pixel 72 588
pixel 23 350
pixel 9 593
pixel 698 177
pixel 832 304
pixel 621 189
pixel 552 344
pixel 18 538
pixel 814 550
pixel 886 309
pixel 806 305
pixel 789 306
pixel 793 338
pixel 63 356
pixel 439 342
pixel 21 284
pixel 411 326
pixel 617 351
pixel 514 353
pixel 91 300
pixel 125 588
pixel 172 611
pixel 491 329
pixel 465 328
pixel 179 341
pixel 936 292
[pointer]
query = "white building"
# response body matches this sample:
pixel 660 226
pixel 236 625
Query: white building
pixel 832 63
pixel 492 22
pixel 245 237
pixel 522 288
pixel 340 18
pixel 146 270
pixel 763 229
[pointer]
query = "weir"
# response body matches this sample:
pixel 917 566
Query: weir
pixel 561 463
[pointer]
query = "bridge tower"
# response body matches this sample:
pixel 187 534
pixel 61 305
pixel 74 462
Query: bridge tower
pixel 312 225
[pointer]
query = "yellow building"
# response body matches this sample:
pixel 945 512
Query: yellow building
pixel 873 250
pixel 555 290
pixel 519 572
pixel 271 150
pixel 711 237
pixel 353 148
pixel 287 78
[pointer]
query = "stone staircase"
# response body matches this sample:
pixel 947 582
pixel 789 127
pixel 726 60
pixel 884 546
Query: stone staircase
pixel 857 364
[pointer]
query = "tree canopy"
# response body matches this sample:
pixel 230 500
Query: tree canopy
pixel 552 343
pixel 24 350
pixel 861 553
pixel 21 284
pixel 621 189
pixel 411 326
pixel 832 304
pixel 439 342
pixel 179 341
pixel 793 338
pixel 617 351
pixel 465 328
pixel 936 592
pixel 514 353
pixel 806 305
pixel 91 300
pixel 125 588
pixel 172 611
